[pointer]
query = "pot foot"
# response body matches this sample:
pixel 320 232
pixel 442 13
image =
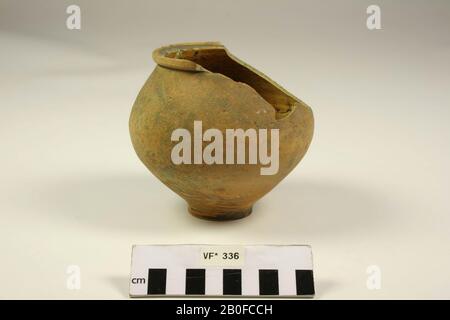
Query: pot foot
pixel 216 215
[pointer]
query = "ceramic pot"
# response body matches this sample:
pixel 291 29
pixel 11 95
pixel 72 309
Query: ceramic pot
pixel 201 86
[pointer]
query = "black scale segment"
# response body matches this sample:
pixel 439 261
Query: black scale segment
pixel 195 281
pixel 268 282
pixel 156 281
pixel 305 282
pixel 232 282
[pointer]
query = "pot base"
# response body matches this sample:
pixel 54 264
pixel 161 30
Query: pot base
pixel 220 216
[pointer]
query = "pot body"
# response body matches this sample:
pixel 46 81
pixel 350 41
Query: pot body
pixel 173 98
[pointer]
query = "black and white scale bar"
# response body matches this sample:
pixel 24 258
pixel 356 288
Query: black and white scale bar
pixel 232 282
pixel 283 271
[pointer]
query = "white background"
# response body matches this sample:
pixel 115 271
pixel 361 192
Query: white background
pixel 372 190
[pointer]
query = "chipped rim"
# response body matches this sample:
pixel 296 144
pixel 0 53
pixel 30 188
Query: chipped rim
pixel 160 57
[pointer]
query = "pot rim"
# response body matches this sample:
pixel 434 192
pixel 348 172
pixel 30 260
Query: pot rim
pixel 160 56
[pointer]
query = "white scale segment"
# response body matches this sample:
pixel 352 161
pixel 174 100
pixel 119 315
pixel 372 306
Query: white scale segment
pixel 222 270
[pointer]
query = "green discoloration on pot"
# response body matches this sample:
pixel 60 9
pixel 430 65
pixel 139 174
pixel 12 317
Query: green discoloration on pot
pixel 204 82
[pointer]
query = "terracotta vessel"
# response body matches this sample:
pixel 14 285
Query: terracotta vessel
pixel 204 82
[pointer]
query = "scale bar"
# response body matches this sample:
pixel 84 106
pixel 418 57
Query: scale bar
pixel 179 270
pixel 195 282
